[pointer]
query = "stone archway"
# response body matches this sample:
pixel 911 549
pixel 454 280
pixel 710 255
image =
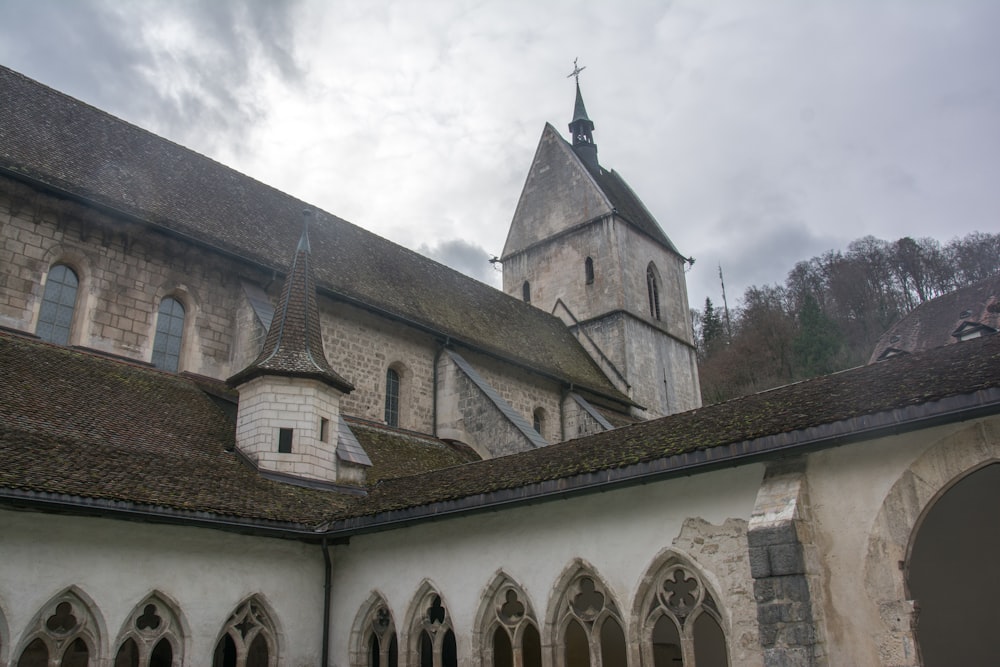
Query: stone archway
pixel 901 514
pixel 951 573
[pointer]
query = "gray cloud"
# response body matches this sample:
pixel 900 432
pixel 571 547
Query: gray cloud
pixel 468 258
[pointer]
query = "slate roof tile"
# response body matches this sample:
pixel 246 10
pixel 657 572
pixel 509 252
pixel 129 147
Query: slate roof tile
pixel 83 425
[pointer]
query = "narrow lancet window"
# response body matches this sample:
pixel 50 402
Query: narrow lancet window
pixel 653 288
pixel 588 271
pixel 392 397
pixel 169 334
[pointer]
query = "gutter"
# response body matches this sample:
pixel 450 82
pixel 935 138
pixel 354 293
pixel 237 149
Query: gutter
pixel 327 590
pixel 117 509
pixel 951 409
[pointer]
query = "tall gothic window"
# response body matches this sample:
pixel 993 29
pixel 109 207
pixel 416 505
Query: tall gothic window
pixel 169 334
pixel 379 635
pixel 431 628
pixel 55 318
pixel 589 625
pixel 526 292
pixel 151 636
pixel 248 639
pixel 509 627
pixel 682 623
pixel 588 271
pixel 653 288
pixel 62 635
pixel 392 397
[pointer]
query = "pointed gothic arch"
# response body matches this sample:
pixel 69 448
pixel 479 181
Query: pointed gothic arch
pixel 67 631
pixel 250 636
pixel 915 492
pixel 374 642
pixel 430 639
pixel 677 616
pixel 153 634
pixel 505 631
pixel 653 284
pixel 584 618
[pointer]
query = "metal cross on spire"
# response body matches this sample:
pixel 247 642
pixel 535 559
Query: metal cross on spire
pixel 576 71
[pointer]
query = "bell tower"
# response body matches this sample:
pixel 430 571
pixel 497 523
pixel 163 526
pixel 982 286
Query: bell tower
pixel 583 246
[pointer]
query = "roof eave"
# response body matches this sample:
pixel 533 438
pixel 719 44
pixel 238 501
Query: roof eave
pixel 20 499
pixel 899 420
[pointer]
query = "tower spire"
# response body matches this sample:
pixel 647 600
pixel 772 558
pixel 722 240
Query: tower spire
pixel 294 344
pixel 581 128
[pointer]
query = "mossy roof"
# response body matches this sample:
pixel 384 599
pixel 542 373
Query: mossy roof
pixel 85 426
pixel 786 413
pixel 51 139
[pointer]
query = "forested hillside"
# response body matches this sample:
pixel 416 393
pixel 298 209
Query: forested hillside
pixel 830 311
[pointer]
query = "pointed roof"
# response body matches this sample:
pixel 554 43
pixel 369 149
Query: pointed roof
pixel 294 343
pixel 579 110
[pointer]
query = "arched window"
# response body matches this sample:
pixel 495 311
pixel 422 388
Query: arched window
pixel 538 420
pixel 681 623
pixel 62 635
pixel 392 397
pixel 587 623
pixel 55 318
pixel 508 626
pixel 169 335
pixel 588 271
pixel 151 637
pixel 248 638
pixel 432 638
pixel 375 631
pixel 653 288
pixel 526 292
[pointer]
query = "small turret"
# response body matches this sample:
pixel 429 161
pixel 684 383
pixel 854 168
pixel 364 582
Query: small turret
pixel 288 422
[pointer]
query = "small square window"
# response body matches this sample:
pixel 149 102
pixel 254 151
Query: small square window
pixel 324 429
pixel 284 441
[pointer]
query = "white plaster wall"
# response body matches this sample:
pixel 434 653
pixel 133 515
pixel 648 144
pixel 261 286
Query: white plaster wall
pixel 118 563
pixel 619 533
pixel 847 487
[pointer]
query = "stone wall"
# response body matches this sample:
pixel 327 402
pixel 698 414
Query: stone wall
pixel 124 271
pixel 362 346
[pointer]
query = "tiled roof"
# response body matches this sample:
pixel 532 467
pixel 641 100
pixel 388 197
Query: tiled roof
pixel 629 206
pixel 398 453
pixel 936 322
pixel 55 140
pixel 850 397
pixel 294 342
pixel 80 425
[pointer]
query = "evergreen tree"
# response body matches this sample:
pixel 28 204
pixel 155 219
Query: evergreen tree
pixel 817 343
pixel 711 328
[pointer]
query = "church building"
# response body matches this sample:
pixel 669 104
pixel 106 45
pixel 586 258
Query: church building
pixel 239 431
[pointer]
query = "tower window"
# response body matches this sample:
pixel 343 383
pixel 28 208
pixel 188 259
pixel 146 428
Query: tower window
pixel 284 441
pixel 538 420
pixel 169 333
pixel 526 291
pixel 58 303
pixel 588 270
pixel 392 397
pixel 653 287
pixel 324 429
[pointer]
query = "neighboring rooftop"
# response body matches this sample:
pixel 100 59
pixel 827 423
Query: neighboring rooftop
pixel 52 140
pixel 968 312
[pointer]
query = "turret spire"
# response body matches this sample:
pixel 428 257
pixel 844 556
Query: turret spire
pixel 581 127
pixel 294 344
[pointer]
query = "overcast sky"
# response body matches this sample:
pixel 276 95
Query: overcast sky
pixel 758 132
